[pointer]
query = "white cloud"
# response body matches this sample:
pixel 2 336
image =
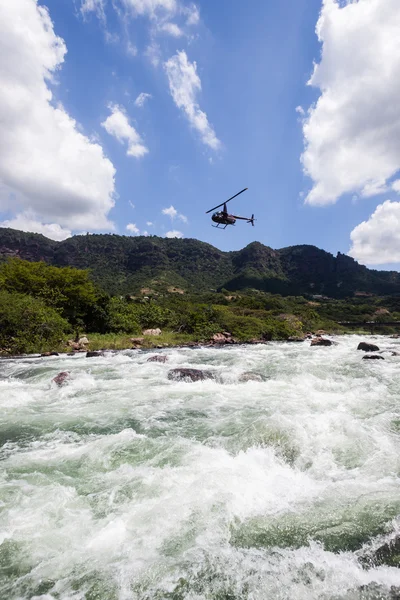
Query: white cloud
pixel 171 212
pixel 174 234
pixel 396 186
pixel 131 227
pixel 184 84
pixel 153 53
pixel 142 98
pixel 149 223
pixel 117 125
pixel 53 169
pixel 131 49
pixel 193 15
pixel 352 134
pixel 131 204
pixel 27 222
pixel 151 8
pixel 377 241
pixel 171 29
pixel 96 6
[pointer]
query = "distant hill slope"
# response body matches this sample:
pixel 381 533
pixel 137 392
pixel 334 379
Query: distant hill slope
pixel 125 264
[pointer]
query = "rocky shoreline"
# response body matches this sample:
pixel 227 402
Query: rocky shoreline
pixel 220 340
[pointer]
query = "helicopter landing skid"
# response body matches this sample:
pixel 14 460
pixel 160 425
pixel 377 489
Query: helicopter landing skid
pixel 218 226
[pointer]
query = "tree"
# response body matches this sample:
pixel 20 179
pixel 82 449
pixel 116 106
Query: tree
pixel 66 289
pixel 28 325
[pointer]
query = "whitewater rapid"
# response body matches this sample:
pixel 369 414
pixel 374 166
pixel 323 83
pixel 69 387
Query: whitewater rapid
pixel 124 485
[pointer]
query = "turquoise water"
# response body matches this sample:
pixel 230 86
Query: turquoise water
pixel 125 485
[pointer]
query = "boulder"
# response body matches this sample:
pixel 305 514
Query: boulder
pixel 160 358
pixel 319 341
pixel 223 338
pixel 61 378
pixel 218 338
pixel 367 347
pixel 373 357
pixel 189 375
pixel 249 376
pixel 49 354
pixel 152 332
pixel 295 338
pixel 93 354
pixel 83 341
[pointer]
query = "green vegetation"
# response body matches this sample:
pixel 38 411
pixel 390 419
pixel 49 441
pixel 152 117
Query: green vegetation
pixel 28 325
pixel 41 306
pixel 125 265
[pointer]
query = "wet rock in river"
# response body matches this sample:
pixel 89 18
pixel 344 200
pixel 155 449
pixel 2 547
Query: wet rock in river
pixel 250 376
pixel 189 375
pixel 93 354
pixel 373 357
pixel 160 358
pixel 367 347
pixel 46 354
pixel 61 378
pixel 319 341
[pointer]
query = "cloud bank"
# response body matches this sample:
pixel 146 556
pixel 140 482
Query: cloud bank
pixel 352 134
pixel 57 174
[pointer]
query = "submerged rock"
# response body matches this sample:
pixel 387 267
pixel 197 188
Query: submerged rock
pixel 189 374
pixel 250 376
pixel 295 338
pixel 61 378
pixel 45 354
pixel 93 354
pixel 319 341
pixel 373 357
pixel 160 358
pixel 367 347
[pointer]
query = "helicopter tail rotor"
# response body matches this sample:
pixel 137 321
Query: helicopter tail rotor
pixel 251 220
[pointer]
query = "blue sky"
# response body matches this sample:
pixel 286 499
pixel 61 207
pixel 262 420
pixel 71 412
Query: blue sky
pixel 227 106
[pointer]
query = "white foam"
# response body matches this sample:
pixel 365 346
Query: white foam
pixel 124 477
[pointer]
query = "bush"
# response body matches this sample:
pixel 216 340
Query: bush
pixel 28 325
pixel 67 289
pixel 122 317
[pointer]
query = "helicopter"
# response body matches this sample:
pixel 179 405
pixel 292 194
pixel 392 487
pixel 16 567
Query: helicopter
pixel 222 217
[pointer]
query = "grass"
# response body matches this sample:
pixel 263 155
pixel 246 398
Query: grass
pixel 113 341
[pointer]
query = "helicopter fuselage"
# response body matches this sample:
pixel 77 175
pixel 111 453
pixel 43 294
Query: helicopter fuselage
pixel 223 218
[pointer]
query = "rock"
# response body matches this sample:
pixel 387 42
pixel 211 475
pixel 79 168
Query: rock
pixel 373 357
pixel 367 347
pixel 320 332
pixel 61 378
pixel 83 341
pixel 49 354
pixel 218 338
pixel 160 358
pixel 319 341
pixel 93 354
pixel 295 338
pixel 249 376
pixel 189 374
pixel 152 332
pixel 223 338
pixel 138 340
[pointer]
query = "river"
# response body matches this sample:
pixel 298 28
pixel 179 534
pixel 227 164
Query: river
pixel 124 485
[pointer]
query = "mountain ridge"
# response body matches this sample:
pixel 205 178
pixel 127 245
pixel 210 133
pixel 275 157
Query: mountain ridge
pixel 124 264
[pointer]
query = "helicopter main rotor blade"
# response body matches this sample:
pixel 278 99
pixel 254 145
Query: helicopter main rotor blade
pixel 226 201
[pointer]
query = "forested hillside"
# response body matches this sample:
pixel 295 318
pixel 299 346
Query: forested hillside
pixel 124 265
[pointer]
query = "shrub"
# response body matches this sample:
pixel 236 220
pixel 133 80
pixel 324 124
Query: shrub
pixel 28 325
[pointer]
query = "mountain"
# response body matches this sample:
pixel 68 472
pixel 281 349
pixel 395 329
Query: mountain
pixel 125 264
